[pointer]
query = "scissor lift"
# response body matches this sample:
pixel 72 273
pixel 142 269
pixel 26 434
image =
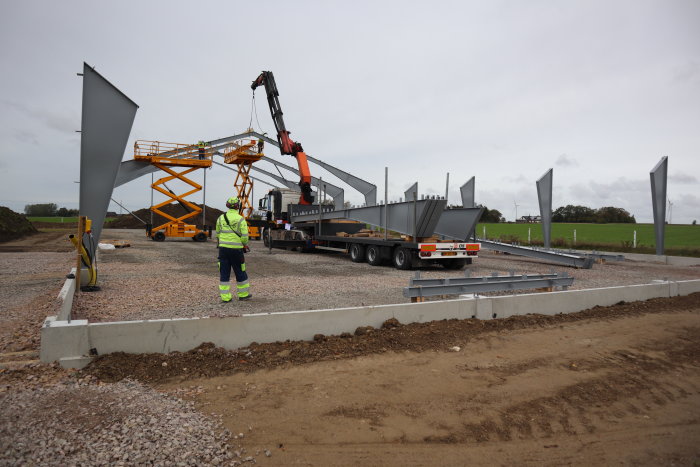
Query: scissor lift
pixel 244 155
pixel 166 157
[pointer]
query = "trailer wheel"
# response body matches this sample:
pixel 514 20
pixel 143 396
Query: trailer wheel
pixel 357 253
pixel 402 258
pixel 200 237
pixel 158 237
pixel 374 257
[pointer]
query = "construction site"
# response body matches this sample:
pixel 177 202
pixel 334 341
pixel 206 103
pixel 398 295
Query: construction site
pixel 387 333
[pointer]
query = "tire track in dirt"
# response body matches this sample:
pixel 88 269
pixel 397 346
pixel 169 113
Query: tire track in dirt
pixel 633 383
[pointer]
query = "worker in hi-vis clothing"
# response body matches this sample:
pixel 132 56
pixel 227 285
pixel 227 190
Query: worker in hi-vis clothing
pixel 232 239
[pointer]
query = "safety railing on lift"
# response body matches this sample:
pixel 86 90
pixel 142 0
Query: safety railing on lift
pixel 159 151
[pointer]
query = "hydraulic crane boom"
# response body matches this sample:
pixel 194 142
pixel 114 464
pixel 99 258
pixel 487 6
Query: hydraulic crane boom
pixel 287 146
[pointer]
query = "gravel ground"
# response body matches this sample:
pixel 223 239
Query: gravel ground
pixel 179 279
pixel 29 284
pixel 84 422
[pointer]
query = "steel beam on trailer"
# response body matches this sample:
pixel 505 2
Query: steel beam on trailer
pixel 400 216
pixel 408 194
pixel 510 283
pixel 459 223
pixel 547 255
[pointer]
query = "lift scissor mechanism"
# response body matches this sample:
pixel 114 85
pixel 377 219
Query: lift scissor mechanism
pixel 168 157
pixel 244 154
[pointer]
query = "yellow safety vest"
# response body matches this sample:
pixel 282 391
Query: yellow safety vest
pixel 232 230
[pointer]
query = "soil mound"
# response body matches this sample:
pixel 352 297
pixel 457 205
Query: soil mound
pixel 14 225
pixel 208 361
pixel 127 221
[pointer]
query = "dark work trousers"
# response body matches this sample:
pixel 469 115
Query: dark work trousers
pixel 232 258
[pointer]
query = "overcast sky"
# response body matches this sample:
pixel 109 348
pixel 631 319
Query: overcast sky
pixel 501 90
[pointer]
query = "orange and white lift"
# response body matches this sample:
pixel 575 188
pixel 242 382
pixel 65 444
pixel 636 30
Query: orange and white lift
pixel 244 155
pixel 170 157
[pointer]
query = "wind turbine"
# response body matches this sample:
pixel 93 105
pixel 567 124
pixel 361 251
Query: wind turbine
pixel 670 211
pixel 516 210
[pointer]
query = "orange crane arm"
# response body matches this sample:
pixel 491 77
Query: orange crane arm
pixel 287 145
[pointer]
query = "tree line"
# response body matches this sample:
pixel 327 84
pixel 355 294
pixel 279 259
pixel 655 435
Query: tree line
pixel 581 214
pixel 48 210
pixel 573 214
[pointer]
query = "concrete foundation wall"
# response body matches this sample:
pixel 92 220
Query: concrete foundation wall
pixel 70 342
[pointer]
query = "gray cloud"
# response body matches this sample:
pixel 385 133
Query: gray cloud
pixel 688 72
pixel 565 160
pixel 53 120
pixel 26 137
pixel 683 178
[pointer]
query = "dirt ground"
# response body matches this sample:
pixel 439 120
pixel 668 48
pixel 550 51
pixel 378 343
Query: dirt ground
pixel 610 385
pixel 614 385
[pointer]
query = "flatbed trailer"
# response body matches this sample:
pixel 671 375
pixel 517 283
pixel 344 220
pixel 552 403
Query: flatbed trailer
pixel 400 252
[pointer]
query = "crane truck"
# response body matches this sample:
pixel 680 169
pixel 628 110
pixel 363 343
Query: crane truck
pixel 340 235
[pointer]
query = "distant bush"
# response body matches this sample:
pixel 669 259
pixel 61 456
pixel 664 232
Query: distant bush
pixel 584 214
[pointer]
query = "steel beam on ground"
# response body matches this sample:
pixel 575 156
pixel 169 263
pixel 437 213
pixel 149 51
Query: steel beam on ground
pixel 592 254
pixel 400 216
pixel 546 255
pixel 419 281
pixel 507 284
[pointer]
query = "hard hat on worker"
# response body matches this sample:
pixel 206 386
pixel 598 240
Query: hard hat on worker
pixel 232 201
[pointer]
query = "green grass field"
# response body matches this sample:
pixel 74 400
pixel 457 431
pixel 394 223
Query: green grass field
pixel 677 236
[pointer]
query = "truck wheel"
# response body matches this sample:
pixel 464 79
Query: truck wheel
pixel 457 263
pixel 402 258
pixel 266 237
pixel 357 253
pixel 158 237
pixel 200 237
pixel 374 257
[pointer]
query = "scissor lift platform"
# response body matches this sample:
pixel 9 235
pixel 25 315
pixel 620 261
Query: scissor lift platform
pixel 166 157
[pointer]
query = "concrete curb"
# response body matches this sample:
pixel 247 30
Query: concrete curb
pixel 72 343
pixel 65 298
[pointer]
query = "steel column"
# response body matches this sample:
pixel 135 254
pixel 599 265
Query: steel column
pixel 658 201
pixel 544 195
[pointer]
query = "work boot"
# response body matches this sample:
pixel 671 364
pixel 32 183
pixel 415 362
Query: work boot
pixel 247 297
